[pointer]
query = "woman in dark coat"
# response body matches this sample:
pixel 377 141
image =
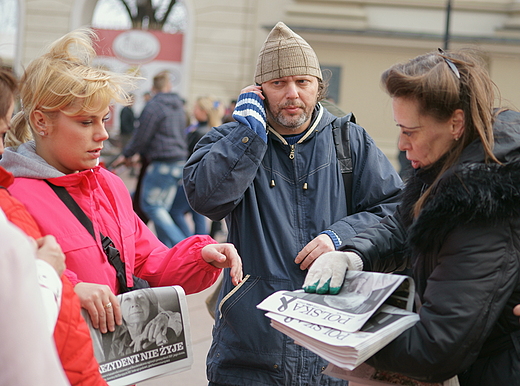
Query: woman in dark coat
pixel 457 229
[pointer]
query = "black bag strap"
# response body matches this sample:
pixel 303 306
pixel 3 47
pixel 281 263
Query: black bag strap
pixel 73 206
pixel 340 132
pixel 106 242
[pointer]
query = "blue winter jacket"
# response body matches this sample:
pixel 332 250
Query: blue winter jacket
pixel 259 188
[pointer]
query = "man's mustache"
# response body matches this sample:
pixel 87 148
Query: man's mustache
pixel 292 104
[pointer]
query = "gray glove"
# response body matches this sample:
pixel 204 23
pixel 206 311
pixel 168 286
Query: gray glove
pixel 327 273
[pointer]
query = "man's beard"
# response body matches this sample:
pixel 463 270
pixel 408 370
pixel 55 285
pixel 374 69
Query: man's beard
pixel 289 122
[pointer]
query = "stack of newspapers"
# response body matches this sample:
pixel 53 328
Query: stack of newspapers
pixel 346 329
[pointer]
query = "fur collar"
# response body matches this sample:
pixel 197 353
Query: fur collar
pixel 466 193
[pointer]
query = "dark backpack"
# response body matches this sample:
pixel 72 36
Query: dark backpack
pixel 340 132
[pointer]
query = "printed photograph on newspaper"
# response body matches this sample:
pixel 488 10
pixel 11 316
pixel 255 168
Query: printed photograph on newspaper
pixel 153 341
pixel 361 295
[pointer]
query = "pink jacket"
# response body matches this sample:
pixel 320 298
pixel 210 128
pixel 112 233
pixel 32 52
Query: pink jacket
pixel 105 200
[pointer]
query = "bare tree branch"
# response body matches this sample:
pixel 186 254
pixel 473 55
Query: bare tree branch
pixel 127 8
pixel 167 13
pixel 146 14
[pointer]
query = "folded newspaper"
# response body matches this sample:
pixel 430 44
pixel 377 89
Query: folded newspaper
pixel 153 341
pixel 346 329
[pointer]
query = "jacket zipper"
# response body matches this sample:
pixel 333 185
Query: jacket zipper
pixel 309 131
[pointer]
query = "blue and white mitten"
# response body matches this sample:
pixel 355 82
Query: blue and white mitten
pixel 327 273
pixel 250 111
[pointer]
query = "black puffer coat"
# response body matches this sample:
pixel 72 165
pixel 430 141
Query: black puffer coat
pixel 464 252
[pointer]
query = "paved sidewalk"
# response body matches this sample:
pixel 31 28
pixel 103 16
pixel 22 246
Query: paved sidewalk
pixel 201 324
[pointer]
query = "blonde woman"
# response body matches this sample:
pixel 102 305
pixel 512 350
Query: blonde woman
pixel 58 138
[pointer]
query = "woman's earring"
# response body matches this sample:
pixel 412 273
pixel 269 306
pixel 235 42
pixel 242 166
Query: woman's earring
pixel 42 133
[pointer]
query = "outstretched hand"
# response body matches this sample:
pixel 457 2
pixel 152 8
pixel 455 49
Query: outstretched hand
pixel 314 249
pixel 122 160
pixel 224 255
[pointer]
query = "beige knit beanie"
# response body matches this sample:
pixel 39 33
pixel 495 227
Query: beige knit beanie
pixel 285 53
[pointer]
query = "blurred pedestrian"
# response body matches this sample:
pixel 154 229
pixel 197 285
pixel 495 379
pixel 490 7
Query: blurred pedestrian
pixel 208 113
pixel 228 116
pixel 127 122
pixel 160 138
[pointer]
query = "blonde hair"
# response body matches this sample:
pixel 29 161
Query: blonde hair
pixel 63 75
pixel 440 89
pixel 213 109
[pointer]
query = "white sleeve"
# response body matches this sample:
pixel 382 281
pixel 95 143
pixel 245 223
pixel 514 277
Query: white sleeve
pixel 50 288
pixel 27 353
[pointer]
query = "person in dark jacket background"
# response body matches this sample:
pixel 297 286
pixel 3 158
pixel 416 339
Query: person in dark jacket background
pixel 127 122
pixel 160 138
pixel 278 183
pixel 458 227
pixel 208 113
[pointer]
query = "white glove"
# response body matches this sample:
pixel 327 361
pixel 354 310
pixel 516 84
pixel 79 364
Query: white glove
pixel 327 273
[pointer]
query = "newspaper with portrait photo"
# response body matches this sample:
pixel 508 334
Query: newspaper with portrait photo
pixel 153 341
pixel 346 329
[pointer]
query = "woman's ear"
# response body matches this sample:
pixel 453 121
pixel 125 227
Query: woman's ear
pixel 39 122
pixel 457 124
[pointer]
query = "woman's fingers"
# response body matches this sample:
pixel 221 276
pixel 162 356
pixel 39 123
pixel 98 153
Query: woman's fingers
pixel 101 304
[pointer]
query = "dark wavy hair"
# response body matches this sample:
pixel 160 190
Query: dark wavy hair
pixel 442 82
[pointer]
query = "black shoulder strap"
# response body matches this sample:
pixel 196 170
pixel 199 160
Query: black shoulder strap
pixel 340 132
pixel 67 199
pixel 106 242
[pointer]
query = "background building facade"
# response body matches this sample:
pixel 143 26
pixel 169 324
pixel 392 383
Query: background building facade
pixel 354 40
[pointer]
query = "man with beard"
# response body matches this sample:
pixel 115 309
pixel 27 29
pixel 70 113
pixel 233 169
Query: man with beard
pixel 275 177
